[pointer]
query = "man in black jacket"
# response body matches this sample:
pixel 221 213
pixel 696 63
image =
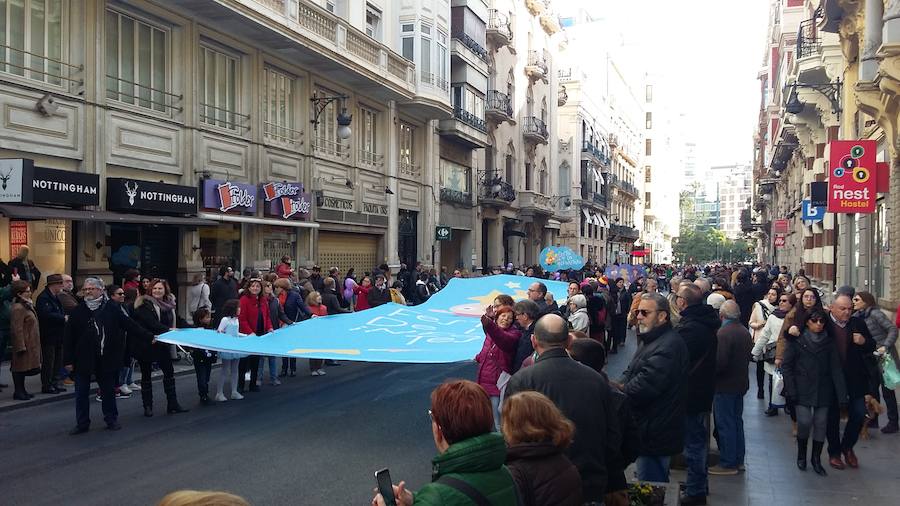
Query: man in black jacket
pixel 223 289
pixel 581 394
pixel 379 294
pixel 656 386
pixel 855 346
pixel 526 313
pixel 697 327
pixel 95 344
pixel 732 360
pixel 330 299
pixel 52 320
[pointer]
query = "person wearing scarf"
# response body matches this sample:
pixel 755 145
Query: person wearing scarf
pixel 766 337
pixel 155 312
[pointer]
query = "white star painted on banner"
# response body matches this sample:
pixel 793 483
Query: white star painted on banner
pixel 512 285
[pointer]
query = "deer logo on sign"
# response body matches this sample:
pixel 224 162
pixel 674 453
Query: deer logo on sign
pixel 4 178
pixel 131 192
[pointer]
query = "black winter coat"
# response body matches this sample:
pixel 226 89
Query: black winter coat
pixel 583 396
pixel 544 475
pixel 377 297
pixel 745 296
pixel 813 375
pixel 82 341
pixel 221 291
pixel 697 327
pixel 142 347
pixel 51 318
pixel 332 303
pixel 861 371
pixel 656 385
pixel 524 350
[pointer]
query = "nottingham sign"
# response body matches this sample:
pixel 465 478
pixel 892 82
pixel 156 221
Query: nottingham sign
pixel 443 233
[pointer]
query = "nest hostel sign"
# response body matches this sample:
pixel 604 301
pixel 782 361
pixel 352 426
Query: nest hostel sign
pixel 852 176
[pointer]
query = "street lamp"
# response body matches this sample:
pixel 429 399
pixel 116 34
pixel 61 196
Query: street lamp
pixel 343 119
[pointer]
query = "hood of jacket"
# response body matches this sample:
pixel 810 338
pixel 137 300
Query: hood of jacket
pixel 702 314
pixel 531 450
pixel 478 454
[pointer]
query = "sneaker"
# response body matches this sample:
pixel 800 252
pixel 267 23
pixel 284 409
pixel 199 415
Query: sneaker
pixel 276 382
pixel 321 372
pixel 123 395
pixel 890 428
pixel 236 396
pixel 68 382
pixel 125 390
pixel 722 471
pixel 221 398
pixel 314 373
pixel 99 399
pixel 135 387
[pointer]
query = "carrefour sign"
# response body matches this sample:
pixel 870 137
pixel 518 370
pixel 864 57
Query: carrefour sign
pixel 852 176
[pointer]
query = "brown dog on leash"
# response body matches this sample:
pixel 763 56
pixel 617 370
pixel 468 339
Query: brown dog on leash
pixel 873 409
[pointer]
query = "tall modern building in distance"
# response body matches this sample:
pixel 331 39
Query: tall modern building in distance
pixel 735 186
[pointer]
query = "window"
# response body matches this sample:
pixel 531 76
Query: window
pixel 455 176
pixel 649 93
pixel 648 147
pixel 468 100
pixel 373 22
pixel 367 137
pixel 425 55
pixel 218 90
pixel 442 60
pixel 406 144
pixel 529 177
pixel 649 120
pixel 510 167
pixel 278 109
pixel 31 39
pixel 136 62
pixel 327 140
pixel 647 177
pixel 408 41
pixel 543 182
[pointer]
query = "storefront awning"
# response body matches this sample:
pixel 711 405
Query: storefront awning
pixel 52 213
pixel 603 221
pixel 596 220
pixel 587 215
pixel 258 221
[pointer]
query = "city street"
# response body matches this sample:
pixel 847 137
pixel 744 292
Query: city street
pixel 319 440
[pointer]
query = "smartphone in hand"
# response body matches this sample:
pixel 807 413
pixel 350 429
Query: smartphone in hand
pixel 385 487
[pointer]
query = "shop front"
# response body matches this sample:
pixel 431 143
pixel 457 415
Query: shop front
pixel 153 247
pixel 353 234
pixel 257 225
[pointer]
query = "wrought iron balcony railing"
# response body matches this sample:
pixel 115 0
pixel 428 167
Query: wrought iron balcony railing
pixel 498 102
pixel 497 188
pixel 808 41
pixel 535 127
pixel 456 196
pixel 470 119
pixel 472 44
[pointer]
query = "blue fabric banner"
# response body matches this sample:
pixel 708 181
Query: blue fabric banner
pixel 446 328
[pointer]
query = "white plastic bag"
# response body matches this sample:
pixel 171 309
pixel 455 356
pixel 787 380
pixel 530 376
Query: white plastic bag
pixel 777 400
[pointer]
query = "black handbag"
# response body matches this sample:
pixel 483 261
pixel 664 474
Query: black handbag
pixel 769 352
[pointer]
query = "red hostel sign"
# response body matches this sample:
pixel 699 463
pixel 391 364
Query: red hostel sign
pixel 852 176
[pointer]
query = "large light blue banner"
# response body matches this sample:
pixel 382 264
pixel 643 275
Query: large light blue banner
pixel 444 329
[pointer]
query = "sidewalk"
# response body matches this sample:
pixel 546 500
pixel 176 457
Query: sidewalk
pixel 33 386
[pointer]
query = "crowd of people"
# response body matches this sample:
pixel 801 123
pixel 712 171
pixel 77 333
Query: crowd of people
pixel 545 422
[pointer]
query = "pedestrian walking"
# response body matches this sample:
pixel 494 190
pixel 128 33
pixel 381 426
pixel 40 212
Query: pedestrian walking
pixel 884 332
pixel 697 327
pixel 813 379
pixel 579 392
pixel 732 359
pixel 52 318
pixel 155 312
pixel 656 385
pixel 537 434
pixel 229 324
pixel 254 320
pixel 767 338
pixel 95 345
pixel 25 338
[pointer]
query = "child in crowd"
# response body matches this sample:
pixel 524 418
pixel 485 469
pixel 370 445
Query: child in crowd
pixel 229 371
pixel 203 359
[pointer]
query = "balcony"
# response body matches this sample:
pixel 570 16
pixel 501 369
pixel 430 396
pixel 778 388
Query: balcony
pixel 409 170
pixel 592 153
pixel 533 203
pixel 808 41
pixel 624 186
pixel 330 148
pixel 536 66
pixel 619 232
pixel 498 107
pixel 499 32
pixel 495 192
pixel 471 44
pixel 561 96
pixel 456 197
pixel 466 128
pixel 535 131
pixel 370 158
pixel 600 200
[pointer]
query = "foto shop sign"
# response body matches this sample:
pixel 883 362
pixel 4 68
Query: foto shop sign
pixel 229 197
pixel 851 178
pixel 125 194
pixel 287 201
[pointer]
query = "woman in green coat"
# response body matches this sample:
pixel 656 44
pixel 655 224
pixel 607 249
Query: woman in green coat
pixel 469 468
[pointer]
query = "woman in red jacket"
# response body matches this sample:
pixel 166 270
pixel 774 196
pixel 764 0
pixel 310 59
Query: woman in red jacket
pixel 253 319
pixel 500 341
pixel 362 294
pixel 314 302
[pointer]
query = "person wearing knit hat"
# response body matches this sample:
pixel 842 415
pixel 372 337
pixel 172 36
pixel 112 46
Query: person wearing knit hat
pixel 715 300
pixel 578 315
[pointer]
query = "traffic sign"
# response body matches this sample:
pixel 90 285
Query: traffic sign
pixel 443 233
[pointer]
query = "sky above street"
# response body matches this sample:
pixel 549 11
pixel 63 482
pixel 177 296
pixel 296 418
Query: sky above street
pixel 708 53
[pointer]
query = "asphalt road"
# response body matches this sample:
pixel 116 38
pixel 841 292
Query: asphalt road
pixel 310 441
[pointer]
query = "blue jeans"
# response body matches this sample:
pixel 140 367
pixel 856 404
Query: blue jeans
pixel 495 405
pixel 125 374
pixel 652 468
pixel 273 368
pixel 107 383
pixel 729 415
pixel 696 445
pixel 856 416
